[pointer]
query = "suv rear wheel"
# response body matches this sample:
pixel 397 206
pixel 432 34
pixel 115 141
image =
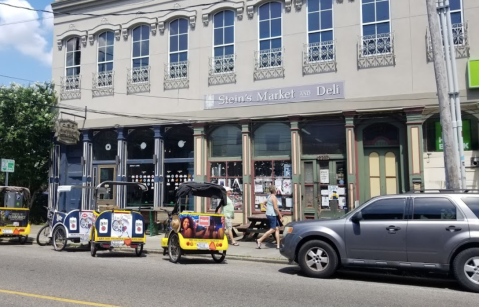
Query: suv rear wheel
pixel 466 269
pixel 317 259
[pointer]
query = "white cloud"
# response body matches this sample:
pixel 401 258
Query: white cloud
pixel 26 37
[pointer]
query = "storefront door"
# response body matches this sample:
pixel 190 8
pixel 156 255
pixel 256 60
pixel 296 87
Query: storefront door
pixel 106 173
pixel 381 169
pixel 324 184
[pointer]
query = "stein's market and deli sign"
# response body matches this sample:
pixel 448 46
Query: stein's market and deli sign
pixel 66 132
pixel 314 92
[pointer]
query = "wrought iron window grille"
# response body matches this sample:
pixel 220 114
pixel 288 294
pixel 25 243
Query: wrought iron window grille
pixel 376 50
pixel 222 70
pixel 460 38
pixel 269 64
pixel 176 75
pixel 138 79
pixel 70 87
pixel 103 83
pixel 319 57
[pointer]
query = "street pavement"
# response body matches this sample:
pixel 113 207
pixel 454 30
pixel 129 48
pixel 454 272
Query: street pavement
pixel 32 275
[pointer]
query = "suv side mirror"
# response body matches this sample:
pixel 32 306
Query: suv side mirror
pixel 357 217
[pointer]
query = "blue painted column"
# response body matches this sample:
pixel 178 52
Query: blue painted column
pixel 87 170
pixel 121 168
pixel 158 162
pixel 54 173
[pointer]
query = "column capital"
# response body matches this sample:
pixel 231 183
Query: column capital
pixel 86 135
pixel 414 115
pixel 294 118
pixel 159 130
pixel 121 133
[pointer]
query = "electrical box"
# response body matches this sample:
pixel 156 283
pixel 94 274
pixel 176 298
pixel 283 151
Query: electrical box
pixel 13 200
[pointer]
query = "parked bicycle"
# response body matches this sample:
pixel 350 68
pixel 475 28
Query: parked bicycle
pixel 44 235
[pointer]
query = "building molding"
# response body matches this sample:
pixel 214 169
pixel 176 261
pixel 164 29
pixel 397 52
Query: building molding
pixel 152 22
pixel 287 4
pixel 238 7
pixel 190 15
pixel 69 34
pixel 94 32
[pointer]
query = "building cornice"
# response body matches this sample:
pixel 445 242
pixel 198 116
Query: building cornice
pixel 69 5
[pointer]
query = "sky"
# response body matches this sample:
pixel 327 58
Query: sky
pixel 25 41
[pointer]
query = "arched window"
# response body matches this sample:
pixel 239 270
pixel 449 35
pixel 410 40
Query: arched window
pixel 325 137
pixel 141 53
pixel 226 141
pixel 224 41
pixel 141 144
pixel 270 34
pixel 105 51
pixel 178 54
pixel 381 134
pixel 178 143
pixel 272 139
pixel 73 62
pixel 105 145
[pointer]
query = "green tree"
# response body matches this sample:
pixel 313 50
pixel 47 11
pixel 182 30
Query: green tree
pixel 27 119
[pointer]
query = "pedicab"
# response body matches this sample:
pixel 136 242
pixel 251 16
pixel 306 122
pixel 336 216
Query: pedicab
pixel 196 233
pixel 91 226
pixel 14 213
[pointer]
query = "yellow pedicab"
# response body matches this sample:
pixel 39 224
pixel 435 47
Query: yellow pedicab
pixel 196 233
pixel 14 213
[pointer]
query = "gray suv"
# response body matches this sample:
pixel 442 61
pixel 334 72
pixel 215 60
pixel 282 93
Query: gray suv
pixel 420 230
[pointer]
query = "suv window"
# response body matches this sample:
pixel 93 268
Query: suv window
pixel 473 204
pixel 385 209
pixel 434 208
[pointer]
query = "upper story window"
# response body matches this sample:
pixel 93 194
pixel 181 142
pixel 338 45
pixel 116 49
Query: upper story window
pixel 178 48
pixel 141 47
pixel 376 26
pixel 270 34
pixel 224 41
pixel 73 57
pixel 320 29
pixel 105 52
pixel 456 11
pixel 458 31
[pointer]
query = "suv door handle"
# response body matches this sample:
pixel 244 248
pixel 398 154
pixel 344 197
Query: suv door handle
pixel 393 228
pixel 453 228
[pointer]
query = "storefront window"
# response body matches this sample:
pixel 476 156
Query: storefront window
pixel 229 174
pixel 175 174
pixel 141 144
pixel 142 173
pixel 178 142
pixel 273 172
pixel 105 144
pixel 325 137
pixel 226 141
pixel 433 133
pixel 272 139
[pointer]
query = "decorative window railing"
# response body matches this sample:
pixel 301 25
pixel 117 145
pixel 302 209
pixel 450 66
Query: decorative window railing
pixel 103 83
pixel 376 50
pixel 176 75
pixel 222 70
pixel 70 87
pixel 319 57
pixel 460 38
pixel 138 79
pixel 269 64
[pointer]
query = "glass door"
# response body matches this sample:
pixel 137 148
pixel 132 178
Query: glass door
pixel 107 173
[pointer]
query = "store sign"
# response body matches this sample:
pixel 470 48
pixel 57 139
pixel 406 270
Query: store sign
pixel 314 92
pixel 66 132
pixel 466 135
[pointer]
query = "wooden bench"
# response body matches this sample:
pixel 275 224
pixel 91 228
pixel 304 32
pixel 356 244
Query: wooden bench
pixel 248 229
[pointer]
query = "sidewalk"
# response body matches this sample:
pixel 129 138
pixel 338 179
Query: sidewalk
pixel 245 251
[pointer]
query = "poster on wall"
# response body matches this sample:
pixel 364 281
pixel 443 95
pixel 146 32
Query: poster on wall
pixel 333 192
pixel 324 176
pixel 466 135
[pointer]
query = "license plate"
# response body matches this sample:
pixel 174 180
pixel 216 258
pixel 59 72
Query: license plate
pixel 7 231
pixel 202 245
pixel 117 243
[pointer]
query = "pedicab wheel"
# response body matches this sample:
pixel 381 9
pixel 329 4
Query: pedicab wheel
pixel 93 249
pixel 219 257
pixel 139 250
pixel 22 239
pixel 59 238
pixel 174 249
pixel 42 236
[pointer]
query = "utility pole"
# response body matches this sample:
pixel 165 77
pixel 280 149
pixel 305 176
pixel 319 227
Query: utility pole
pixel 450 151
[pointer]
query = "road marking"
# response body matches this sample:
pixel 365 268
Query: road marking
pixel 52 298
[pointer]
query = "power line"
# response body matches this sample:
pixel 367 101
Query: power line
pixel 110 14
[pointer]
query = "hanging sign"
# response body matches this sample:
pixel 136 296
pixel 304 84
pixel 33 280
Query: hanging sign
pixel 66 132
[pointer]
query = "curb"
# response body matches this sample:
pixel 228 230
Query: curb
pixel 232 257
